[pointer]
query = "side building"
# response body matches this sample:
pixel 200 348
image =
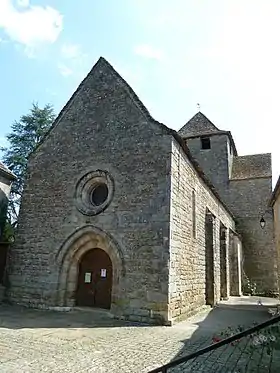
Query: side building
pixel 6 179
pixel 274 203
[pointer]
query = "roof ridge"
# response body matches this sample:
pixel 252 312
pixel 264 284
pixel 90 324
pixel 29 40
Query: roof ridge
pixel 254 155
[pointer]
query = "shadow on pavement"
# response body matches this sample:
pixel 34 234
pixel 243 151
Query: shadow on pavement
pixel 17 317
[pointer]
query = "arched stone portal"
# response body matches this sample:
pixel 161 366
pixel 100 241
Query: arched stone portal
pixel 94 285
pixel 70 255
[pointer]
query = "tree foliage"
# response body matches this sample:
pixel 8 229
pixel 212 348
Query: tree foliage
pixel 26 134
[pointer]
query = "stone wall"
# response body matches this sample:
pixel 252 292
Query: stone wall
pixel 248 200
pixel 214 161
pixel 187 285
pixel 245 185
pixel 102 128
pixel 276 214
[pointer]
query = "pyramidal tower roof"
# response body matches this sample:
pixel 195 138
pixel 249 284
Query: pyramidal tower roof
pixel 198 125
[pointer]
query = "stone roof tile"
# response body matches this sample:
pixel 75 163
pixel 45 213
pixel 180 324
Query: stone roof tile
pixel 251 166
pixel 199 124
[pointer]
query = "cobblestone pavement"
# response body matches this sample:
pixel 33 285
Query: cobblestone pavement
pixel 232 359
pixel 85 341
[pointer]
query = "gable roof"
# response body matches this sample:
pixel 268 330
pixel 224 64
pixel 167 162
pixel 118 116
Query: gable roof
pixel 104 64
pixel 251 167
pixel 6 172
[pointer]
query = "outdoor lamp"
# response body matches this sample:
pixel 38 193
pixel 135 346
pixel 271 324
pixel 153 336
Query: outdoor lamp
pixel 262 222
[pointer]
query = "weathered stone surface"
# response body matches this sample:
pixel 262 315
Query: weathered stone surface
pixel 248 200
pixel 275 204
pixel 235 267
pixel 245 185
pixel 161 226
pixel 102 129
pixel 158 268
pixel 198 124
pixel 251 166
pixel 187 285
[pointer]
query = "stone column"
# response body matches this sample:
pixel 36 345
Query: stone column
pixel 224 263
pixel 235 259
pixel 227 243
pixel 209 259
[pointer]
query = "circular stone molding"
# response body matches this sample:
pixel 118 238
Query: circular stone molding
pixel 94 192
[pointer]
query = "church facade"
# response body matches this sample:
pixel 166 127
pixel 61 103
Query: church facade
pixel 122 213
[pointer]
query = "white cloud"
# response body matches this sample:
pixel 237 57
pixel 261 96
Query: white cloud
pixel 32 26
pixel 23 3
pixel 70 51
pixel 147 51
pixel 65 70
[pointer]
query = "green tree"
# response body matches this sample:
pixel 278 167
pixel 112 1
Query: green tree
pixel 26 134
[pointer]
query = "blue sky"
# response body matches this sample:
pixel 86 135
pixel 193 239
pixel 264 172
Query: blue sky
pixel 223 54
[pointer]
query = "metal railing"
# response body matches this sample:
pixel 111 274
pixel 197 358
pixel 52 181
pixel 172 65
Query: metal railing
pixel 215 346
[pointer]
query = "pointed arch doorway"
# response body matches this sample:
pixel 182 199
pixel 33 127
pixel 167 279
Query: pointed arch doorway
pixel 95 274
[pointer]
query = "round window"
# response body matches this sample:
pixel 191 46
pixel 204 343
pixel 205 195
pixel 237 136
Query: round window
pixel 94 192
pixel 99 194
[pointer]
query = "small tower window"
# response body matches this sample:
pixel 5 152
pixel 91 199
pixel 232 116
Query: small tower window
pixel 205 143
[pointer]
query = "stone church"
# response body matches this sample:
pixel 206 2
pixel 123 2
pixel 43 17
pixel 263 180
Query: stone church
pixel 122 213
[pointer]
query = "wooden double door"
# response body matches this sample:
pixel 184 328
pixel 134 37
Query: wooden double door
pixel 95 280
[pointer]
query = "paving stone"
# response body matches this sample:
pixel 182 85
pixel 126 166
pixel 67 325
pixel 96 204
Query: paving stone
pixel 74 342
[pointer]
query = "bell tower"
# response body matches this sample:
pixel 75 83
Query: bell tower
pixel 212 148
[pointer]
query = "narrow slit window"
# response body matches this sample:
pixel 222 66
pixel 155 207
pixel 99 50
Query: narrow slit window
pixel 193 214
pixel 205 143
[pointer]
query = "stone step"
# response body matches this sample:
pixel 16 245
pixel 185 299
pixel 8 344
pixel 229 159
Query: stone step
pixel 97 312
